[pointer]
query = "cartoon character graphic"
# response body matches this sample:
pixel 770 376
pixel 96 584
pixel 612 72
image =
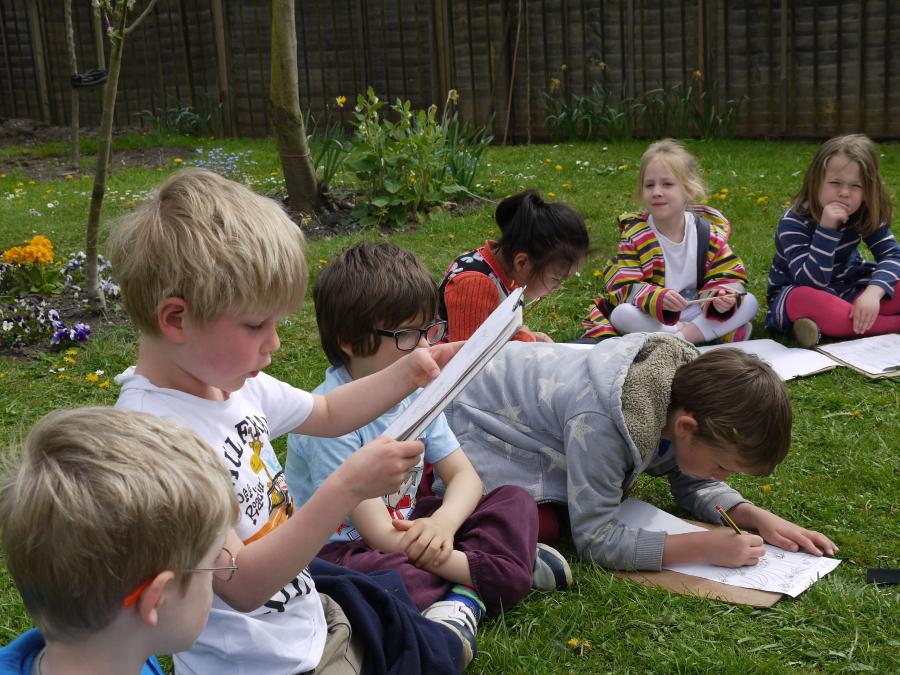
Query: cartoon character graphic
pixel 402 500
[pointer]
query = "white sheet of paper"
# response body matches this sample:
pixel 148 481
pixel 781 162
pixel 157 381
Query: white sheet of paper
pixel 787 362
pixel 779 571
pixel 876 355
pixel 491 335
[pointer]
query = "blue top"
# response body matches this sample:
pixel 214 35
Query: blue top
pixel 807 254
pixel 17 658
pixel 311 459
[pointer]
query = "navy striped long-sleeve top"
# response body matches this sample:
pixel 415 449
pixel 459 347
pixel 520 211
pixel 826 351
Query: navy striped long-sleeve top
pixel 807 254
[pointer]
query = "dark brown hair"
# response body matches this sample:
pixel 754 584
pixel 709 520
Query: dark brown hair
pixel 548 233
pixel 369 286
pixel 876 206
pixel 739 403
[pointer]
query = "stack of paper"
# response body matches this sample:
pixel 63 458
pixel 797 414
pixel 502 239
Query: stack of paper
pixel 787 362
pixel 877 356
pixel 495 332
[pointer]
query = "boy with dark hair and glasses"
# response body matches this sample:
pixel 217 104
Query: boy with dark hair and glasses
pixel 463 555
pixel 113 528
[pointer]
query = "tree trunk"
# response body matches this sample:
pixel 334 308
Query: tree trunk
pixel 287 119
pixel 73 65
pixel 117 34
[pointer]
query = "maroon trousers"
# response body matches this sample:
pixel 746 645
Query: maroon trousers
pixel 499 540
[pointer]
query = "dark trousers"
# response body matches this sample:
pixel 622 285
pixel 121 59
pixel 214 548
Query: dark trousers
pixel 499 540
pixel 396 638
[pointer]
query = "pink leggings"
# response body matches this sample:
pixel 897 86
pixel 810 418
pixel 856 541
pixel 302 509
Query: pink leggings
pixel 832 314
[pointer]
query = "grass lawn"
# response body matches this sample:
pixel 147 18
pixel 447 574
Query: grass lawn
pixel 842 476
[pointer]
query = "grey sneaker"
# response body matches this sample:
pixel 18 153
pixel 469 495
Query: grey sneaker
pixel 551 571
pixel 458 617
pixel 806 332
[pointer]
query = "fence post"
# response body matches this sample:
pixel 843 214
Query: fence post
pixel 223 66
pixel 40 65
pixel 783 70
pixel 443 50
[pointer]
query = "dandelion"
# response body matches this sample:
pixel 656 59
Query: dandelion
pixel 274 174
pixel 552 195
pixel 566 186
pixel 622 167
pixel 92 377
pixel 71 352
pixel 547 160
pixel 451 237
pixel 178 160
pixel 340 100
pixel 597 273
pixel 762 200
pixel 554 85
pixel 104 384
pixel 69 360
pixel 323 261
pixel 558 167
pixel 766 487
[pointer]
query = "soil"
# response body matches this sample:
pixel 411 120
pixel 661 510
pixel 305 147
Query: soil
pixel 72 309
pixel 27 134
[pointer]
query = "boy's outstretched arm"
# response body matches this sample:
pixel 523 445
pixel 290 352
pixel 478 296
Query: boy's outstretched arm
pixel 716 547
pixel 267 564
pixel 355 404
pixel 780 532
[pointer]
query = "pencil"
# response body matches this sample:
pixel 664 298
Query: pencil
pixel 530 308
pixel 713 297
pixel 726 520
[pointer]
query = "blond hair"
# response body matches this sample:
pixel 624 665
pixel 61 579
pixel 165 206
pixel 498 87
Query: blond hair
pixel 213 242
pixel 680 162
pixel 876 200
pixel 740 405
pixel 100 500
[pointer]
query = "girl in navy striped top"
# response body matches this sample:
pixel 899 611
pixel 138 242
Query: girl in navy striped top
pixel 819 283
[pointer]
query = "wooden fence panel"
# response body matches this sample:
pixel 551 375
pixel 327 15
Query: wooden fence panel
pixel 802 68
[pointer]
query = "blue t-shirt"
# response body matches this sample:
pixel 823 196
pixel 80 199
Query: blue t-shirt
pixel 17 658
pixel 311 459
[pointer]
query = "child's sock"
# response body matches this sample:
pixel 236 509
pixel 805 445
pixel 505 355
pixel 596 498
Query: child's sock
pixel 467 596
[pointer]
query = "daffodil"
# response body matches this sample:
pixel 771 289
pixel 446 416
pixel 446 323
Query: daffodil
pixel 340 100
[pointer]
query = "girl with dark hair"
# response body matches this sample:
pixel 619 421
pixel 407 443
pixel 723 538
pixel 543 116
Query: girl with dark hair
pixel 541 245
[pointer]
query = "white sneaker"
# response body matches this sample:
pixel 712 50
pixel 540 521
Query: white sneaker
pixel 458 617
pixel 551 570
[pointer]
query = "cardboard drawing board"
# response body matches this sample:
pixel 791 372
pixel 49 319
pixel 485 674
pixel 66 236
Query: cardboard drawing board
pixel 684 584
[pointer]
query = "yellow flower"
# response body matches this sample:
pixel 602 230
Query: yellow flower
pixel 453 95
pixel 323 261
pixel 92 377
pixel 341 100
pixel 766 487
pixel 573 642
pixel 451 237
pixel 597 273
pixel 273 174
pixel 552 195
pixel 69 176
pixel 547 160
pixel 725 189
pixel 554 85
pixel 622 167
pixel 558 167
pixel 178 160
pixel 104 384
pixel 69 360
pixel 554 316
pixel 71 352
pixel 130 203
pixel 697 75
pixel 762 200
pixel 566 186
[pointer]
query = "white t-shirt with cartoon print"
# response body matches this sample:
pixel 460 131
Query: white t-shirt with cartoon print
pixel 287 634
pixel 310 459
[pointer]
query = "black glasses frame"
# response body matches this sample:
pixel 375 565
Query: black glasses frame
pixel 420 333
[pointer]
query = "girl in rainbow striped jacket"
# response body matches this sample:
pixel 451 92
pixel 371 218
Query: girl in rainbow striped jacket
pixel 673 271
